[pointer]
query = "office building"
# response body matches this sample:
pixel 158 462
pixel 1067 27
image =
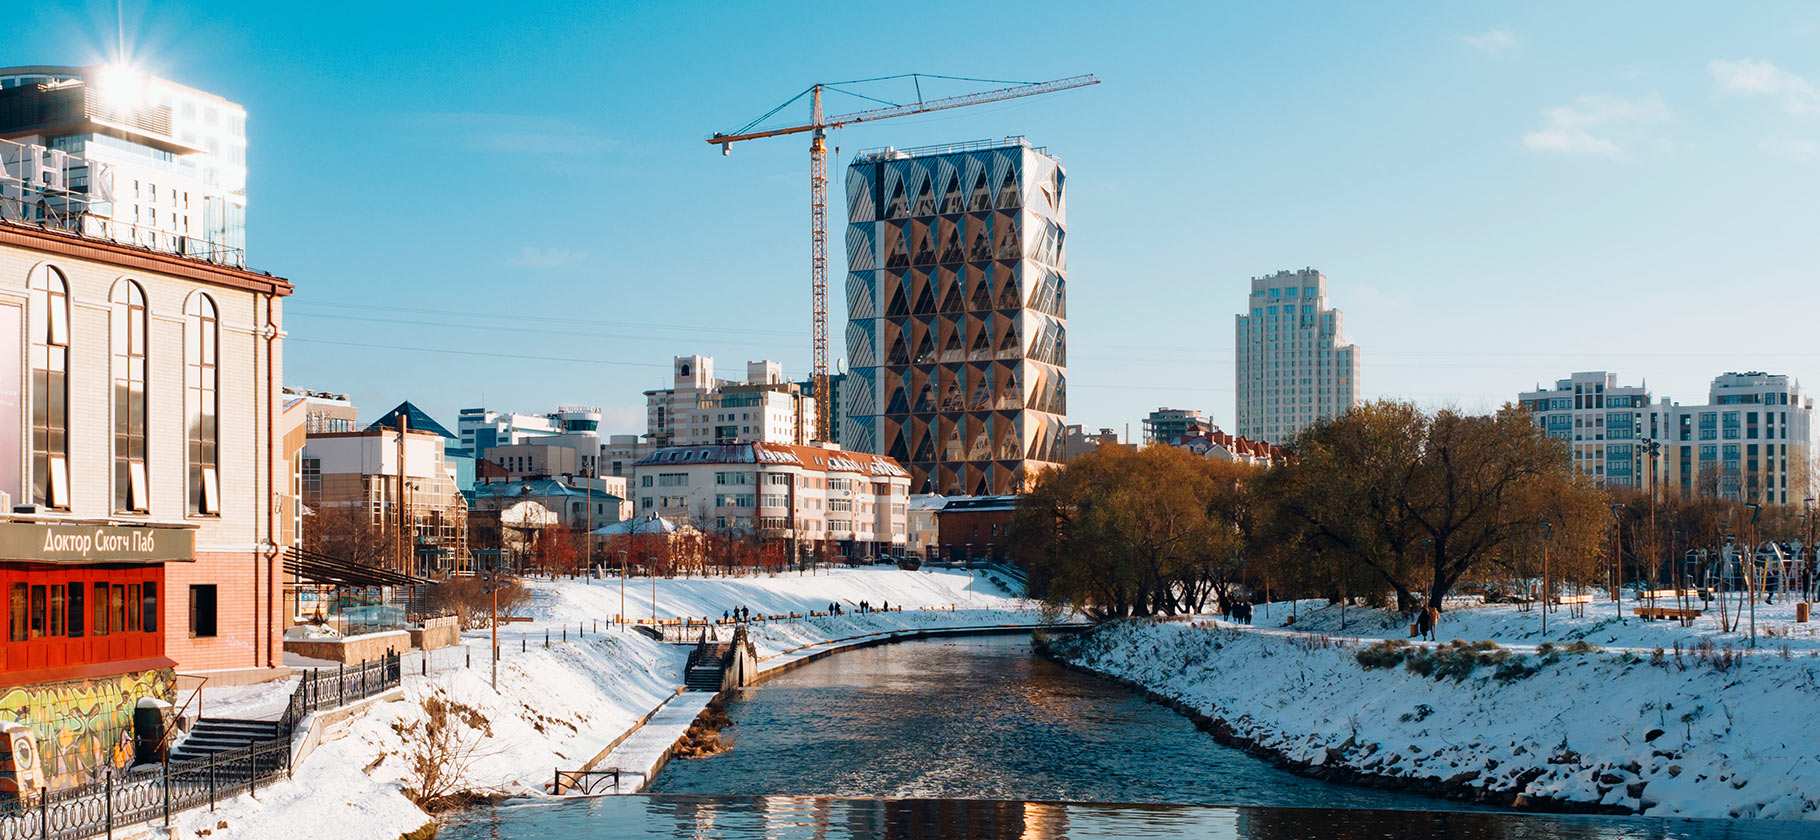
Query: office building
pixel 837 403
pixel 956 307
pixel 698 408
pixel 1294 365
pixel 137 159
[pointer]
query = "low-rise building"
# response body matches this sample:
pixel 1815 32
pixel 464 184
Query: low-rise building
pixel 924 531
pixel 817 500
pixel 1077 441
pixel 975 528
pixel 1222 446
pixel 583 504
pixel 141 472
pixel 373 480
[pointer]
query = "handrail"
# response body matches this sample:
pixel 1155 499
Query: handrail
pixel 196 697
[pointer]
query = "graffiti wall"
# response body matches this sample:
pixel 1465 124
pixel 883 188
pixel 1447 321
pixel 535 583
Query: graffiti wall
pixel 84 726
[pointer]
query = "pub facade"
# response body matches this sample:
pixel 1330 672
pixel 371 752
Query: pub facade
pixel 144 485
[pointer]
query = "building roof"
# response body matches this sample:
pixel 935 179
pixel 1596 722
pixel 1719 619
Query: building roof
pixel 980 503
pixel 651 524
pixel 784 454
pixel 419 421
pixel 536 488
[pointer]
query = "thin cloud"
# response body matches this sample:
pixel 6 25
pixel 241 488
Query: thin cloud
pixel 533 257
pixel 1495 41
pixel 1745 77
pixel 1594 124
pixel 1795 149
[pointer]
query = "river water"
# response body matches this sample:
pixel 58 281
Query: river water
pixel 980 738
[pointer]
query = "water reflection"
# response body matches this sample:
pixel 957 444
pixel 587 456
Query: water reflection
pixel 824 818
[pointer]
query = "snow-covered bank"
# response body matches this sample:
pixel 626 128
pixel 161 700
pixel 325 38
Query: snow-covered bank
pixel 561 705
pixel 1705 733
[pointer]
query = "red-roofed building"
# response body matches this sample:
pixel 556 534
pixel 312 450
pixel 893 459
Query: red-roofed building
pixel 1218 444
pixel 816 500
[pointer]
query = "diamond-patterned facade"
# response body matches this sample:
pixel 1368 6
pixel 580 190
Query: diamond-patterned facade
pixel 956 302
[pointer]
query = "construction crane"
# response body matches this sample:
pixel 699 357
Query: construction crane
pixel 819 126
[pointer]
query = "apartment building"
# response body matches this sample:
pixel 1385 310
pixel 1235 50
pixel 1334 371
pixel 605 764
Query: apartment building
pixel 1607 426
pixel 811 498
pixel 1294 365
pixel 699 408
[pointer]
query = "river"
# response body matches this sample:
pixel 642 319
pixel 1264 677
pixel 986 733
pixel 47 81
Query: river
pixel 979 737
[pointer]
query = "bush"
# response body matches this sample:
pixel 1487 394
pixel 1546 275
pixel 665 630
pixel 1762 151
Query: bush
pixel 1385 654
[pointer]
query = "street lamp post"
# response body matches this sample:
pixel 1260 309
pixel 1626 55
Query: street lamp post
pixel 622 587
pixel 653 570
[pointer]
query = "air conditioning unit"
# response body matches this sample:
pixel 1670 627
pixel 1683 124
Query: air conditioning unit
pixel 28 509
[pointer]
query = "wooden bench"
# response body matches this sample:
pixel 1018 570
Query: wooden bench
pixel 1574 599
pixel 1667 594
pixel 1686 616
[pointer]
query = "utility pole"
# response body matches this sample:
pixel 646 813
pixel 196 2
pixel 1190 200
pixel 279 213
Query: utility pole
pixel 1751 558
pixel 1617 560
pixel 403 541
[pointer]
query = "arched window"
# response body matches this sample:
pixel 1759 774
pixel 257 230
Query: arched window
pixel 50 356
pixel 129 339
pixel 201 344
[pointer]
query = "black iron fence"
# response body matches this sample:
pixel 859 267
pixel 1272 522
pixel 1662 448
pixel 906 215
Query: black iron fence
pixel 146 794
pixel 151 792
pixel 323 688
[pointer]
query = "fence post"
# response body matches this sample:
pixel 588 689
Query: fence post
pixel 341 683
pixel 546 638
pixel 363 680
pixel 252 769
pixel 167 790
pixel 109 808
pixel 44 815
pixel 211 781
pixel 469 653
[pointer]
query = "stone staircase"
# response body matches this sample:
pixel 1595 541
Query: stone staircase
pixel 707 664
pixel 216 735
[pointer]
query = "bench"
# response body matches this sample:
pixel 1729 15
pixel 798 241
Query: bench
pixel 1686 616
pixel 1667 594
pixel 1574 599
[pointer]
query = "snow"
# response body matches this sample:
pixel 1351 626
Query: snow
pixel 560 706
pixel 260 701
pixel 1693 735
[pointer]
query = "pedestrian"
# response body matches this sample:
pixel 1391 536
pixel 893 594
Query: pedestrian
pixel 723 616
pixel 887 606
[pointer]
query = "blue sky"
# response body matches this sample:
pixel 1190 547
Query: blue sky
pixel 1500 194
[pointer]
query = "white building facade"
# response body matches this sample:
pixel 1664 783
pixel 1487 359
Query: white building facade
pixel 700 409
pixel 162 165
pixel 853 504
pixel 1294 365
pixel 1608 427
pixel 1752 441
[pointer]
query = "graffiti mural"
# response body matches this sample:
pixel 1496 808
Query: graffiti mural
pixel 85 726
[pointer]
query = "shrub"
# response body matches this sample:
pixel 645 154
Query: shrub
pixel 467 599
pixel 1385 654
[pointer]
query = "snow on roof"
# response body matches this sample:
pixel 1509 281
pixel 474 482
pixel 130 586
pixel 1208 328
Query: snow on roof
pixel 806 457
pixel 652 524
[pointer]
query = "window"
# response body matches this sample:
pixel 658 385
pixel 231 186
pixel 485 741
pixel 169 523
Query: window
pixel 202 609
pixel 129 345
pixel 75 606
pixel 117 595
pixel 202 337
pixel 16 627
pixel 101 625
pixel 50 353
pixel 58 610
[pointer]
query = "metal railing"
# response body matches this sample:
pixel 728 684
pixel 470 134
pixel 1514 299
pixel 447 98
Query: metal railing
pixel 321 688
pixel 151 792
pixel 147 794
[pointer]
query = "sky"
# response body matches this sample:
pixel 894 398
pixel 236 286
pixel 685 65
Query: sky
pixel 519 211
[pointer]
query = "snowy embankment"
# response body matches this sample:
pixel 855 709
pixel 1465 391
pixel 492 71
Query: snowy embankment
pixel 562 705
pixel 1591 716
